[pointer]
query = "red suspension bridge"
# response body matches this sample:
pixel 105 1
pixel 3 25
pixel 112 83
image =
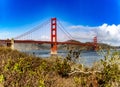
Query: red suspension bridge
pixel 52 39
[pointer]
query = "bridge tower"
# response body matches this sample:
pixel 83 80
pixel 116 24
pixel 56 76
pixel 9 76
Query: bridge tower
pixel 54 36
pixel 12 44
pixel 95 43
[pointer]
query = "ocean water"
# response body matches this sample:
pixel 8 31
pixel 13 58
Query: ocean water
pixel 87 58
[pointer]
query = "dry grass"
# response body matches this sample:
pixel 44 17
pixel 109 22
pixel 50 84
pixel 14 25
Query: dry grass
pixel 20 70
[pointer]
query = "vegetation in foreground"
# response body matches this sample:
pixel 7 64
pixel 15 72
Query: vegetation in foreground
pixel 20 70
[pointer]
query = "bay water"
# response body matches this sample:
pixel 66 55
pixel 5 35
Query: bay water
pixel 87 58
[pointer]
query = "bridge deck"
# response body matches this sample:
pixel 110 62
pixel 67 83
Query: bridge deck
pixel 46 42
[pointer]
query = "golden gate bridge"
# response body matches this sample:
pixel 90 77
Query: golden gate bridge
pixel 53 41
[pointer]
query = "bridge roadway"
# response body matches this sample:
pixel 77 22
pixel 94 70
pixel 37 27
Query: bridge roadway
pixel 47 42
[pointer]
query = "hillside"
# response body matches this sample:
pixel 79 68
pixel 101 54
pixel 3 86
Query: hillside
pixel 20 70
pixel 101 45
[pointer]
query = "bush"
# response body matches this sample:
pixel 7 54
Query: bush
pixel 62 67
pixel 20 70
pixel 110 76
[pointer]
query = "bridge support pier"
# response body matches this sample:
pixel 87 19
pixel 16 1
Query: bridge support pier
pixel 53 36
pixel 12 44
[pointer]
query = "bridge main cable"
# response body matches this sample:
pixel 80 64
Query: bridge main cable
pixel 32 30
pixel 64 30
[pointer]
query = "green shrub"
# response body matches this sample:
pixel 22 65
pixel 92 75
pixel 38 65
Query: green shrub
pixel 110 74
pixel 2 78
pixel 19 70
pixel 62 67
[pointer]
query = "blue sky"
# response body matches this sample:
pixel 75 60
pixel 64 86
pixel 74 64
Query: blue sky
pixel 15 13
pixel 23 13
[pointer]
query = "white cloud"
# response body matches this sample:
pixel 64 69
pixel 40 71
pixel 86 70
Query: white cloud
pixel 5 34
pixel 109 34
pixel 45 38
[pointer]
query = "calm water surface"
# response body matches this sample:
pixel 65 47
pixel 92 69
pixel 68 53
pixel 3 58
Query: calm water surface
pixel 87 58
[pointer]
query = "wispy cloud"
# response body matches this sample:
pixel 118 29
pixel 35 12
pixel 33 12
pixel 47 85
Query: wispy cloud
pixel 5 34
pixel 109 34
pixel 8 34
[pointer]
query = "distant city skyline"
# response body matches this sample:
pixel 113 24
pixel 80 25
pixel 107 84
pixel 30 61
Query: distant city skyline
pixel 86 18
